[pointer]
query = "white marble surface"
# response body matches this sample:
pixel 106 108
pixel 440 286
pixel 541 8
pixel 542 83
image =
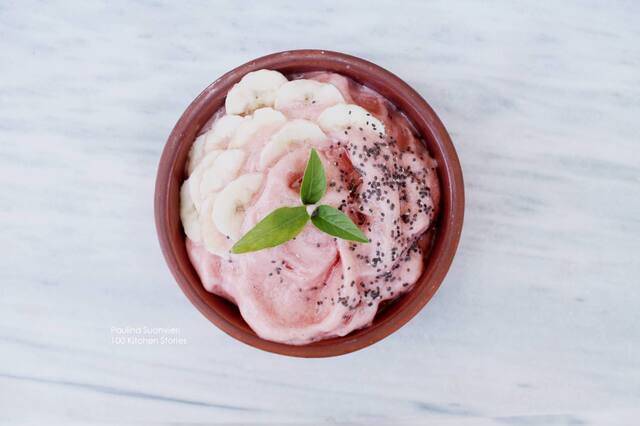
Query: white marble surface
pixel 538 321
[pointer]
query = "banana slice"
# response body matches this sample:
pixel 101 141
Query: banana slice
pixel 263 119
pixel 195 180
pixel 188 214
pixel 345 117
pixel 229 208
pixel 214 241
pixel 306 98
pixel 196 153
pixel 224 169
pixel 255 90
pixel 294 133
pixel 217 138
pixel 222 132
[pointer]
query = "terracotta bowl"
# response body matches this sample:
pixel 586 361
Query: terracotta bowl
pixel 171 173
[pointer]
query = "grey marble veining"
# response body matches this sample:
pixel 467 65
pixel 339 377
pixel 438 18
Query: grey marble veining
pixel 537 321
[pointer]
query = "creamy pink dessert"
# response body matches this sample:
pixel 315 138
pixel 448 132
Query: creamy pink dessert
pixel 249 160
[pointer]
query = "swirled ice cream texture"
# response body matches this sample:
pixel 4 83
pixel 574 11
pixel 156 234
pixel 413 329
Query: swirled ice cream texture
pixel 249 160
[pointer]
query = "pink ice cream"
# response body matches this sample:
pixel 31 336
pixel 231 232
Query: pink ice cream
pixel 315 286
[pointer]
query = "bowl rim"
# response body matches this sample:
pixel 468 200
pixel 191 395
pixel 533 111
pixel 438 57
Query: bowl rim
pixel 171 173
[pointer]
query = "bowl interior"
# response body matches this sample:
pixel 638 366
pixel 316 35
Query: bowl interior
pixel 171 173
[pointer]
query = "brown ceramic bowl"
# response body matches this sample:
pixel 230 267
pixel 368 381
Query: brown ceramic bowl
pixel 171 173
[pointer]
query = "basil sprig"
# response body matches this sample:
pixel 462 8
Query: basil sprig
pixel 276 228
pixel 314 181
pixel 285 223
pixel 332 221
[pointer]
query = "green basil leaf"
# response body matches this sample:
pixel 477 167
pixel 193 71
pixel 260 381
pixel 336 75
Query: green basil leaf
pixel 314 181
pixel 276 228
pixel 334 222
